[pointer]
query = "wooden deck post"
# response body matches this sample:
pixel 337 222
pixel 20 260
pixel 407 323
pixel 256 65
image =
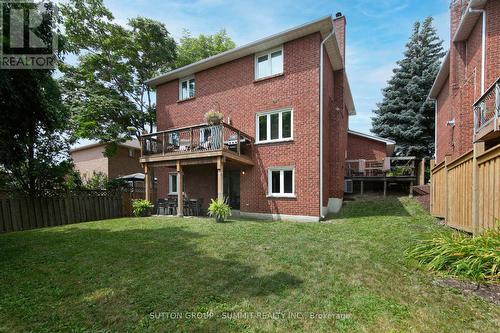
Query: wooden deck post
pixel 220 179
pixel 147 183
pixel 362 184
pixel 385 188
pixel 411 189
pixel 180 193
pixel 478 150
pixel 421 174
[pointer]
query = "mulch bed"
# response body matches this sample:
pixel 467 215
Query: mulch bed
pixel 490 292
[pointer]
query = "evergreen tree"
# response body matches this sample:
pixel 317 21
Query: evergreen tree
pixel 404 115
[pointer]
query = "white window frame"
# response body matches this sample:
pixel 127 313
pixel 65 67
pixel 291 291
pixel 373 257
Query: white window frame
pixel 268 53
pixel 170 182
pixel 281 194
pixel 131 153
pixel 268 130
pixel 186 79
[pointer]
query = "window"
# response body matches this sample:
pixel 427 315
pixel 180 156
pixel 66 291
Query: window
pixel 172 183
pixel 131 153
pixel 186 88
pixel 274 126
pixel 281 182
pixel 269 63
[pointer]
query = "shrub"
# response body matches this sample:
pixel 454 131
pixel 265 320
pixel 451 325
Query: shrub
pixel 476 258
pixel 219 209
pixel 141 207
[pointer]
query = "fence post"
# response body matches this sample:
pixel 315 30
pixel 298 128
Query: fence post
pixel 478 149
pixel 447 161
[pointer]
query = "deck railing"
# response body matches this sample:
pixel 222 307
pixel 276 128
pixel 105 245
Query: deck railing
pixel 196 139
pixel 388 167
pixel 487 108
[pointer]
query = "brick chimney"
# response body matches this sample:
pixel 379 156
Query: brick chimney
pixel 457 8
pixel 457 50
pixel 339 23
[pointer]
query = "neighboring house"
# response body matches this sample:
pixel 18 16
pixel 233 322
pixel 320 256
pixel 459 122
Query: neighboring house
pixel 368 147
pixel 469 75
pixel 464 181
pixel 280 152
pixel 90 158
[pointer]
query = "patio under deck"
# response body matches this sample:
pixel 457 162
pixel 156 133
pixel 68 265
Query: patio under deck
pixel 200 144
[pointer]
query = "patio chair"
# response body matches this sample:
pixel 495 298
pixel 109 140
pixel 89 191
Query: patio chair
pixel 171 206
pixel 161 207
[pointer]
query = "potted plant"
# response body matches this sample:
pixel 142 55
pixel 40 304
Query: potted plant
pixel 213 117
pixel 141 207
pixel 219 209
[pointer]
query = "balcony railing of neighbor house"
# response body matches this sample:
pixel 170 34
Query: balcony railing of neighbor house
pixel 389 167
pixel 487 109
pixel 196 139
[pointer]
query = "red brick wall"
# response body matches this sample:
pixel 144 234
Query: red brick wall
pixel 122 164
pixel 359 147
pixel 463 88
pixel 336 122
pixel 230 88
pixel 339 120
pixel 444 134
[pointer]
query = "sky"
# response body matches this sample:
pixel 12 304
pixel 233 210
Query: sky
pixel 377 31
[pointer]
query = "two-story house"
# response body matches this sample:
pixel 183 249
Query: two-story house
pixel 467 88
pixel 280 151
pixel 465 179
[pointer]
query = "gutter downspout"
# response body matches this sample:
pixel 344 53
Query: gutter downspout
pixel 483 46
pixel 321 122
pixel 435 125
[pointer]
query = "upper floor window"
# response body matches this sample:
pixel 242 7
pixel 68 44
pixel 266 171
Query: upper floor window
pixel 186 88
pixel 269 63
pixel 274 126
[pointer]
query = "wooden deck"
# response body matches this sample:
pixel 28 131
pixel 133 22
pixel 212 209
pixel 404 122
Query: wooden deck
pixel 219 145
pixel 388 170
pixel 199 144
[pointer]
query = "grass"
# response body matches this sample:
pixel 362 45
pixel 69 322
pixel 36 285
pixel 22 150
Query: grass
pixel 133 274
pixel 475 258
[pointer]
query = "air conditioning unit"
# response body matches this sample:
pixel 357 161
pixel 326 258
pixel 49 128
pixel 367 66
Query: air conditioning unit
pixel 348 186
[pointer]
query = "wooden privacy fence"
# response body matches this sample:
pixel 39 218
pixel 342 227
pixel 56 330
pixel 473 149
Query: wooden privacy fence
pixel 22 212
pixel 466 191
pixel 489 189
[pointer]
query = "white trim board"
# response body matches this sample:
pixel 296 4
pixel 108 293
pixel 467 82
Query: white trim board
pixel 280 217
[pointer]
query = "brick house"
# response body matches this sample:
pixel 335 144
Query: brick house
pixel 368 147
pixel 469 74
pixel 464 181
pixel 280 151
pixel 90 158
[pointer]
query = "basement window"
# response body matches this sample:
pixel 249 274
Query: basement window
pixel 281 182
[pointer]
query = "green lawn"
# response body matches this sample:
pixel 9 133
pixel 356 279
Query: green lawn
pixel 117 275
